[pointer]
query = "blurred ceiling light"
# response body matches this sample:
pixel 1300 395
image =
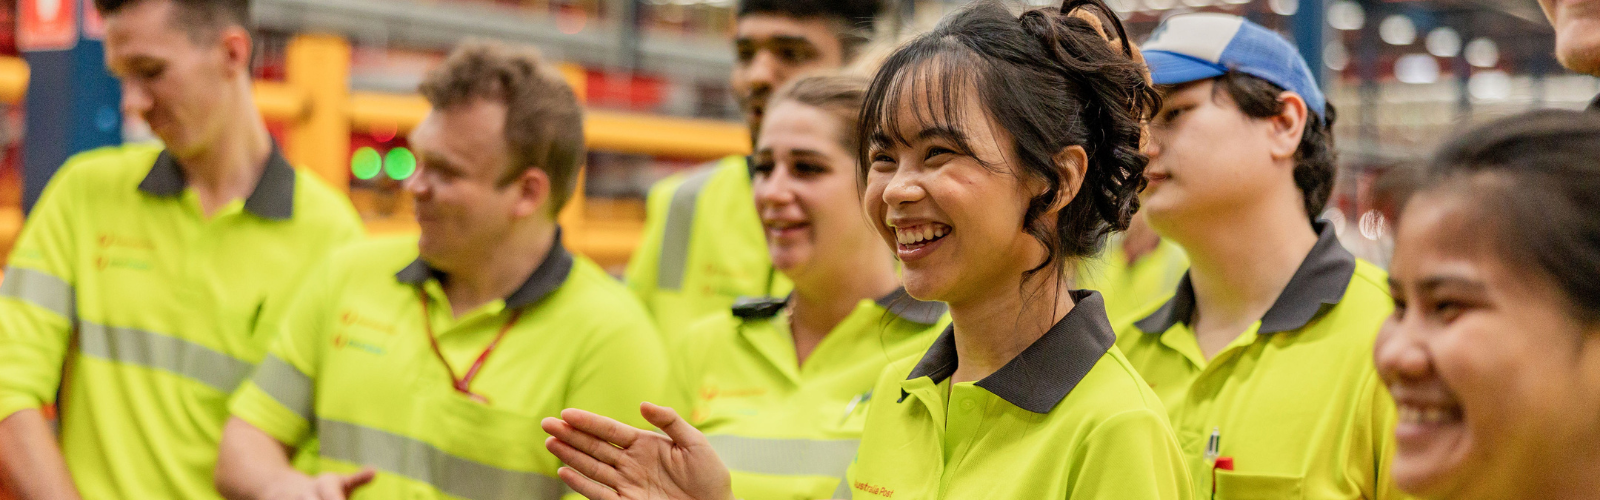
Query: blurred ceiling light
pixel 1397 30
pixel 1483 53
pixel 1493 85
pixel 1444 42
pixel 1285 7
pixel 1416 68
pixel 1335 56
pixel 1123 6
pixel 1160 4
pixel 1235 2
pixel 1197 3
pixel 1346 15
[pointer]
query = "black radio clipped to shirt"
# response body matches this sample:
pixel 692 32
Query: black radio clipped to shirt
pixel 758 307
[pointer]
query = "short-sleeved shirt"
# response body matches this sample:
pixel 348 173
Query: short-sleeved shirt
pixel 158 303
pixel 789 430
pixel 1295 400
pixel 702 247
pixel 1066 418
pixel 1130 288
pixel 352 365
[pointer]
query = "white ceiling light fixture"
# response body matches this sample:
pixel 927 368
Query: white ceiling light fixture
pixel 1235 2
pixel 1335 56
pixel 1397 30
pixel 1483 53
pixel 1417 69
pixel 1124 6
pixel 1346 15
pixel 1160 4
pixel 1444 41
pixel 1285 7
pixel 1491 85
pixel 1197 3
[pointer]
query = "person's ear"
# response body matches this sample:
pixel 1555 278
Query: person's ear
pixel 237 46
pixel 1072 162
pixel 1288 125
pixel 533 192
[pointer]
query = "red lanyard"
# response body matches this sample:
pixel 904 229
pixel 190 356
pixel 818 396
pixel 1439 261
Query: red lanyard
pixel 464 384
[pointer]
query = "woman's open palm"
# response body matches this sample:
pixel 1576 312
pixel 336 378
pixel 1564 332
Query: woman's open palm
pixel 610 460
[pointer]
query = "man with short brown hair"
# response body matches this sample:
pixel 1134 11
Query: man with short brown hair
pixel 139 278
pixel 424 366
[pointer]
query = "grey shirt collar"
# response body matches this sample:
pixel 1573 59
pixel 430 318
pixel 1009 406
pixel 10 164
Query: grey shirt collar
pixel 1044 373
pixel 273 197
pixel 545 279
pixel 1320 281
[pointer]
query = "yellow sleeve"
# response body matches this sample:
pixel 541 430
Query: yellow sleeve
pixel 279 397
pixel 625 366
pixel 645 263
pixel 1383 418
pixel 38 300
pixel 1131 456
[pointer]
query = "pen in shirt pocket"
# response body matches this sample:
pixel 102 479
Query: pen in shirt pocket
pixel 850 409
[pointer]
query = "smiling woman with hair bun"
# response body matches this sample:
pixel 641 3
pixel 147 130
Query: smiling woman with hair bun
pixel 997 150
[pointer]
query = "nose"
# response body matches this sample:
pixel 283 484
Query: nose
pixel 903 187
pixel 419 189
pixel 136 100
pixel 764 71
pixel 775 188
pixel 1152 144
pixel 1399 353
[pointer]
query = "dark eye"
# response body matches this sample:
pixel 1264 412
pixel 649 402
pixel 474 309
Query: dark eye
pixel 762 168
pixel 1399 308
pixel 809 168
pixel 745 52
pixel 1172 114
pixel 938 151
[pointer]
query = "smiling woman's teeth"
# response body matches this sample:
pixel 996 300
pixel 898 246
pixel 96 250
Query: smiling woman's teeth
pixel 921 234
pixel 1416 415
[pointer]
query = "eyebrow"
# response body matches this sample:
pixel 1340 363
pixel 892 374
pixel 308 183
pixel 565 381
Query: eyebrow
pixel 775 40
pixel 1435 282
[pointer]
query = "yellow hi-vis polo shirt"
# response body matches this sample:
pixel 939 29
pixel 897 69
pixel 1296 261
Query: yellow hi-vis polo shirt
pixel 158 304
pixel 1067 418
pixel 1294 399
pixel 702 247
pixel 352 366
pixel 1130 288
pixel 788 431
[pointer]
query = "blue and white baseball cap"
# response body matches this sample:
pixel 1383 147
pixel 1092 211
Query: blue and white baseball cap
pixel 1190 47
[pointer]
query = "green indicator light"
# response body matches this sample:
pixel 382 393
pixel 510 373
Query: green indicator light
pixel 365 163
pixel 400 163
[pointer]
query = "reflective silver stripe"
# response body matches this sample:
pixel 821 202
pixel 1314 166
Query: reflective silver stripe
pixel 420 461
pixel 285 384
pixel 679 227
pixel 786 457
pixel 41 289
pixel 160 352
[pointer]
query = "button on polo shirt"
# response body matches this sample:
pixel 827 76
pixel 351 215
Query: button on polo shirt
pixel 352 366
pixel 1066 418
pixel 702 247
pixel 1295 399
pixel 158 302
pixel 789 430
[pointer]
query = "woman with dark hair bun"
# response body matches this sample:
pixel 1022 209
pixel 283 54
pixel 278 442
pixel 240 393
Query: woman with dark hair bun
pixel 1493 352
pixel 997 150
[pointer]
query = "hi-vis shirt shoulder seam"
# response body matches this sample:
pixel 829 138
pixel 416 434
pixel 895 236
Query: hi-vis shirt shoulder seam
pixel 420 461
pixel 287 385
pixel 679 228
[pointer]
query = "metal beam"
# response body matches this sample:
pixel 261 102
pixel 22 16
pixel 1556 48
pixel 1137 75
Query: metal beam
pixel 442 25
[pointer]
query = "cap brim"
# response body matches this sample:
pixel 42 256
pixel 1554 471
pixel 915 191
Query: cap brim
pixel 1168 68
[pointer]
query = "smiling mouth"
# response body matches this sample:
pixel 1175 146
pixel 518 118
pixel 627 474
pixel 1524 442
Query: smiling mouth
pixel 920 235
